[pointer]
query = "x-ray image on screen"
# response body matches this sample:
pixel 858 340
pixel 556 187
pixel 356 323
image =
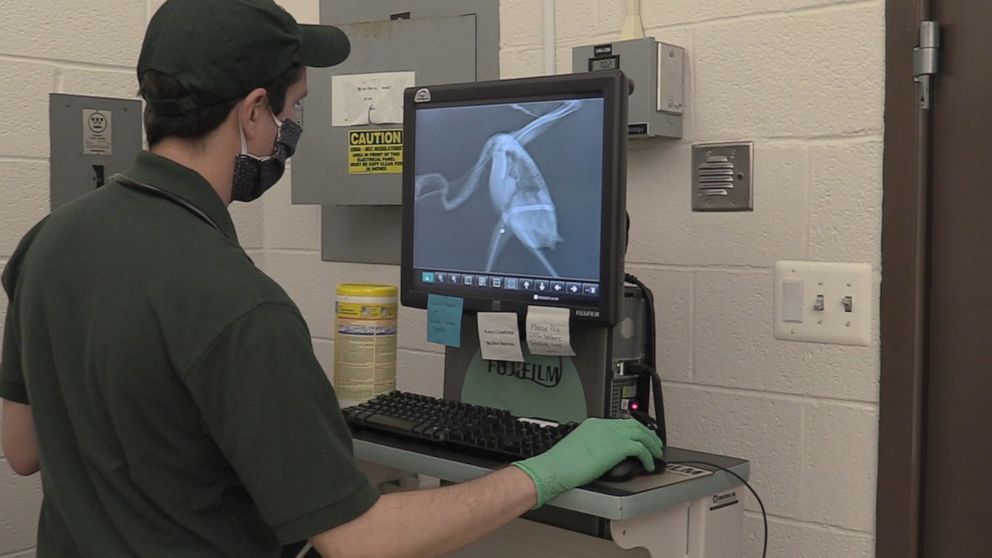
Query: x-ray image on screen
pixel 512 189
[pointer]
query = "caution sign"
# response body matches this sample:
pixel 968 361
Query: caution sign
pixel 375 152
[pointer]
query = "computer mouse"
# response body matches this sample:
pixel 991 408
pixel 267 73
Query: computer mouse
pixel 630 468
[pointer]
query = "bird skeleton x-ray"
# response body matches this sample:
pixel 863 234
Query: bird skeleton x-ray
pixel 516 187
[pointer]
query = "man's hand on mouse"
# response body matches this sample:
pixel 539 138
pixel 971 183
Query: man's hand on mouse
pixel 589 451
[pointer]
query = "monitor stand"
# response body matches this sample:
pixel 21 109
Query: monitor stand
pixel 596 382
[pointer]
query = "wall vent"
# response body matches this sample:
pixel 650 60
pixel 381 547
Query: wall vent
pixel 721 177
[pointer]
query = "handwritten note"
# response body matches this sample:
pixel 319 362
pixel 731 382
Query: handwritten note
pixel 499 336
pixel 444 320
pixel 547 331
pixel 361 99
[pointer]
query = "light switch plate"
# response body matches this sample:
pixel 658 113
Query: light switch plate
pixel 841 285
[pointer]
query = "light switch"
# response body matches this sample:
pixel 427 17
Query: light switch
pixel 792 301
pixel 823 302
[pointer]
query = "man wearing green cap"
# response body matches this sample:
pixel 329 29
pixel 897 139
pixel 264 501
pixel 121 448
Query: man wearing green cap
pixel 166 387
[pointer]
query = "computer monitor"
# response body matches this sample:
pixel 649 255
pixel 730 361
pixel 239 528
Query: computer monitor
pixel 514 194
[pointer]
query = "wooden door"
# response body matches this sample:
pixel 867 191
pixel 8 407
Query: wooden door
pixel 957 494
pixel 934 499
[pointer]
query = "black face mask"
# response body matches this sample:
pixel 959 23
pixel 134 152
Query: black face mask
pixel 254 175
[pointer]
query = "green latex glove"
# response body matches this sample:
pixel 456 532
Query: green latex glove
pixel 587 452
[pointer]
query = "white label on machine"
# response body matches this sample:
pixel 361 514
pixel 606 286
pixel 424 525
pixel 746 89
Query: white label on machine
pixel 547 331
pixel 686 471
pixel 97 132
pixel 499 336
pixel 363 99
pixel 539 422
pixel 724 500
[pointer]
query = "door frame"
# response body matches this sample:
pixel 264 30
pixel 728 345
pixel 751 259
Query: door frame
pixel 903 302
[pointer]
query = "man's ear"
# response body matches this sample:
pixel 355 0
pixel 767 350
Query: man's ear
pixel 251 111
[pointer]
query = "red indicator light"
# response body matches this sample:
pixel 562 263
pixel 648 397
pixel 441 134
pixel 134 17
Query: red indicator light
pixel 634 406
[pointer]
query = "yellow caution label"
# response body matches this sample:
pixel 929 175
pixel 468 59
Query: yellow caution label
pixel 375 152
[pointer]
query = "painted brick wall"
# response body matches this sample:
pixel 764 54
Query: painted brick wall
pixel 801 78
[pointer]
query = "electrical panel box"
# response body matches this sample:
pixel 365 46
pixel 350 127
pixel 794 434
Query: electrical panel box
pixel 485 12
pixel 657 70
pixel 361 233
pixel 350 160
pixel 91 138
pixel 352 148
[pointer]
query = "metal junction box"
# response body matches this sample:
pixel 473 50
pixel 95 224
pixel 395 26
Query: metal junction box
pixel 91 139
pixel 350 160
pixel 658 72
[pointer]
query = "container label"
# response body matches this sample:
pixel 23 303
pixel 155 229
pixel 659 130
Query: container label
pixel 364 350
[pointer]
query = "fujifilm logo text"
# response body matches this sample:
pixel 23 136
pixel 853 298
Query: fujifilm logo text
pixel 541 374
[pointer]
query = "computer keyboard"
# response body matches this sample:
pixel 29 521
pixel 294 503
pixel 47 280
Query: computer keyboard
pixel 472 429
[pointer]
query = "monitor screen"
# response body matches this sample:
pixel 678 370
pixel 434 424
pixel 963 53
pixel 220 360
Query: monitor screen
pixel 512 197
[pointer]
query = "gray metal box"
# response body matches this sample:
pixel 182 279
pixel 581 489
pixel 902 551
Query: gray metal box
pixel 438 50
pixel 91 139
pixel 658 71
pixel 486 13
pixel 361 233
pixel 442 42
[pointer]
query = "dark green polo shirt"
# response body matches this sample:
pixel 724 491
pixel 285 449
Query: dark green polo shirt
pixel 178 405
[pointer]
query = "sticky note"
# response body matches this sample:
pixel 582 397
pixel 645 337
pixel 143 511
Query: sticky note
pixel 444 320
pixel 499 336
pixel 547 331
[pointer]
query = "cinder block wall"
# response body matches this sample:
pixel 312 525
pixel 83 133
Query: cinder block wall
pixel 801 78
pixel 804 80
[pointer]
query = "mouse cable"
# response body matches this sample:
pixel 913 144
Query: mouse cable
pixel 764 516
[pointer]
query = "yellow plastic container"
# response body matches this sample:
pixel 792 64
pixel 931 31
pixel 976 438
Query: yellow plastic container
pixel 364 342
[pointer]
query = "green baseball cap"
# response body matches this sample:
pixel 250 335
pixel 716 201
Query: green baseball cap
pixel 222 49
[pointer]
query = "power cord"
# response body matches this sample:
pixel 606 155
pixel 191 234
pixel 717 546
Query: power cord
pixel 764 516
pixel 659 405
pixel 650 366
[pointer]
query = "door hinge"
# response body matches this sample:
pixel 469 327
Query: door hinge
pixel 926 60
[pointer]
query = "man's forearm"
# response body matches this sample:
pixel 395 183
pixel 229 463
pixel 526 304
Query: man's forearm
pixel 20 444
pixel 435 522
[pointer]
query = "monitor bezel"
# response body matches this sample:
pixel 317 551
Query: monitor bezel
pixel 612 86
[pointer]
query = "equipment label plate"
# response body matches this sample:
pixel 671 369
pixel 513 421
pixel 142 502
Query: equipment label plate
pixel 97 132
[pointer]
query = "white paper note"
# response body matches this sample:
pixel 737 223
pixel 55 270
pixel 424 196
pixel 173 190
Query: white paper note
pixel 499 336
pixel 361 99
pixel 547 331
